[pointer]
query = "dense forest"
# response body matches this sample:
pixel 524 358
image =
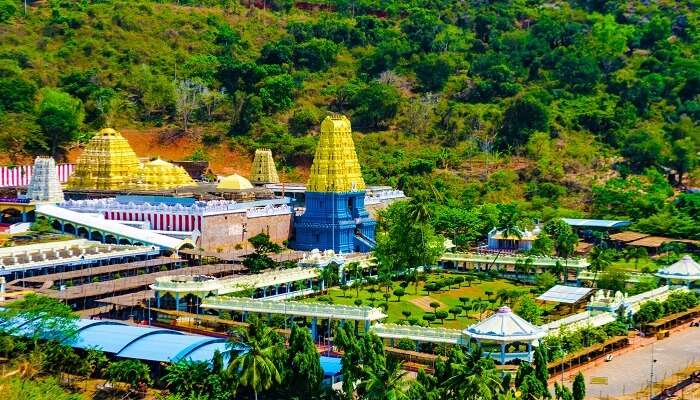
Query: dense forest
pixel 559 108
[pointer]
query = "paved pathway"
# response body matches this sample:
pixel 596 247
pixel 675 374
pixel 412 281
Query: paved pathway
pixel 629 372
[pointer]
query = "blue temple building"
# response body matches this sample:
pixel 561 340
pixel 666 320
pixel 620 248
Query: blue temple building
pixel 335 217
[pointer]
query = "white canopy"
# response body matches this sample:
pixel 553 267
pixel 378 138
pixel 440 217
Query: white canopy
pixel 504 326
pixel 685 269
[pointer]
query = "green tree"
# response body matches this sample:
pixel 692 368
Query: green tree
pixel 47 318
pixel 579 387
pixel 187 378
pixel 304 373
pixel 8 9
pixel 441 315
pixel 684 156
pixel 60 116
pixel 600 260
pixel 385 383
pixel 277 92
pixel 260 259
pixel 399 293
pixel 530 311
pixel 523 116
pixel 375 105
pixel 455 311
pixel 132 372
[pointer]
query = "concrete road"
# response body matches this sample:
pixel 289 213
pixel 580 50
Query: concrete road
pixel 629 372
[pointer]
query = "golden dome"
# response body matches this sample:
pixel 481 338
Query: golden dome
pixel 162 175
pixel 107 163
pixel 335 167
pixel 234 182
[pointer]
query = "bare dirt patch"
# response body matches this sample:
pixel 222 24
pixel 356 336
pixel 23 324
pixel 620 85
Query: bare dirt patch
pixel 424 303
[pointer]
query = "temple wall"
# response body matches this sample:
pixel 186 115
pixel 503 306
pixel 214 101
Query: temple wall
pixel 225 232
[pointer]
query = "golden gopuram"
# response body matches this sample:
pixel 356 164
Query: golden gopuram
pixel 109 163
pixel 264 170
pixel 335 167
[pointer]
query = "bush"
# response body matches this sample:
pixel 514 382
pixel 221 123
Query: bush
pixel 302 120
pixel 405 344
pixel 429 317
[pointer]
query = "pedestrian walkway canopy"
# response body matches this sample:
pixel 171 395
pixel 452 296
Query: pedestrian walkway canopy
pixel 504 259
pixel 565 294
pixel 106 228
pixel 685 269
pixel 294 308
pixel 418 333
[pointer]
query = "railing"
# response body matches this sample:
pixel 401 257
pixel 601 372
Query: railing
pixel 632 277
pixel 332 311
pixel 509 259
pixel 433 335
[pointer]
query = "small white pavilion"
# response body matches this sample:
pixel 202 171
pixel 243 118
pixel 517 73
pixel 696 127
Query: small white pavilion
pixel 505 328
pixel 686 270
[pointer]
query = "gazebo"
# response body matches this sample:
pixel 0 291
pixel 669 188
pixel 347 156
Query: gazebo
pixel 502 329
pixel 686 269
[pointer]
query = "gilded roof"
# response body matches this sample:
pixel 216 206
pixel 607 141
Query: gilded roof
pixel 234 182
pixel 107 163
pixel 335 167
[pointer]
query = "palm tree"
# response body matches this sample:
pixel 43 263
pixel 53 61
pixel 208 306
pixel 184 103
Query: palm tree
pixel 259 350
pixel 418 211
pixel 599 261
pixel 559 270
pixel 474 379
pixel 672 247
pixel 519 267
pixel 529 265
pixel 387 383
pixel 635 253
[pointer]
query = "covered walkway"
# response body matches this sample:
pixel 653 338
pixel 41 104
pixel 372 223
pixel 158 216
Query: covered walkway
pixel 103 230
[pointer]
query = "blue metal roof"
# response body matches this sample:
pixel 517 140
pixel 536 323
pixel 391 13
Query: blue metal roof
pixel 331 366
pixel 596 223
pixel 163 347
pixel 114 337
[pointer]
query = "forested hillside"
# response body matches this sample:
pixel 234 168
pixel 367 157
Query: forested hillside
pixel 563 107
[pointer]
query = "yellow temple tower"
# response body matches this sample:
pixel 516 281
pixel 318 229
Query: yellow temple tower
pixel 334 216
pixel 107 163
pixel 162 175
pixel 335 167
pixel 264 170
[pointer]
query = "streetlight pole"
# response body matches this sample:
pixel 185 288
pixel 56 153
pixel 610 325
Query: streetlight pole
pixel 651 374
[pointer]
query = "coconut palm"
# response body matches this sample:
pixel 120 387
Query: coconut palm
pixel 259 351
pixel 474 379
pixel 387 383
pixel 599 261
pixel 635 253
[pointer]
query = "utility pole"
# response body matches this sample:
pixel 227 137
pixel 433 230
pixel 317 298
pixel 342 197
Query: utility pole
pixel 651 373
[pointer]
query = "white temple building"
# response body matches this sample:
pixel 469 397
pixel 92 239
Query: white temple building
pixel 508 332
pixel 685 270
pixel 44 185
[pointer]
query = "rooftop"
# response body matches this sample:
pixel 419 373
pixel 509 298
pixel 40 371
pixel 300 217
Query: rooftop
pixel 685 269
pixel 596 223
pixel 110 227
pixel 333 311
pixel 565 294
pixel 505 326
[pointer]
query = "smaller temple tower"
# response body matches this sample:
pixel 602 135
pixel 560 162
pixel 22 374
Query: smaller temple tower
pixel 264 170
pixel 335 217
pixel 44 185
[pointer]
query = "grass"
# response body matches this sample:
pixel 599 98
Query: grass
pixel 449 298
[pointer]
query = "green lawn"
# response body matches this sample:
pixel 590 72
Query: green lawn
pixel 449 298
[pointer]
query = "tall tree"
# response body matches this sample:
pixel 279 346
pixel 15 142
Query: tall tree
pixel 385 383
pixel 304 373
pixel 600 260
pixel 259 351
pixel 60 116
pixel 579 387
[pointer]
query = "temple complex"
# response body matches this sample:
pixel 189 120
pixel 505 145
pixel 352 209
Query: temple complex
pixel 107 163
pixel 335 217
pixel 264 170
pixel 44 185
